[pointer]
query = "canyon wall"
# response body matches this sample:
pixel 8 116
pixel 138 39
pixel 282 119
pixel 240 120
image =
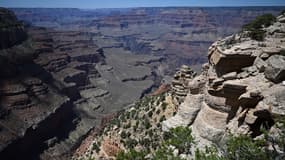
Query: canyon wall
pixel 239 93
pixel 181 34
pixel 56 86
pixel 240 90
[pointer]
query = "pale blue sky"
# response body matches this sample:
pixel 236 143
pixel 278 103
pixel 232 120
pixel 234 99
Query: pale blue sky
pixel 134 3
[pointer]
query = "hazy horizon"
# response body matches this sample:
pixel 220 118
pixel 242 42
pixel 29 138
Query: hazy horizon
pixel 97 4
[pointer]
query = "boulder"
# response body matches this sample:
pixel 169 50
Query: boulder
pixel 250 99
pixel 234 87
pixel 275 71
pixel 230 76
pixel 260 64
pixel 274 97
pixel 217 82
pixel 226 62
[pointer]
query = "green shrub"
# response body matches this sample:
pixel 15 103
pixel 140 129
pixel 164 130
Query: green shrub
pixel 150 113
pixel 131 143
pixel 128 114
pixel 237 148
pixel 257 34
pixel 255 26
pixel 282 52
pixel 133 113
pixel 147 124
pixel 122 118
pixel 260 21
pixel 163 105
pixel 90 158
pixel 181 138
pixel 279 139
pixel 95 147
pixel 164 153
pixel 162 118
pixel 115 122
pixel 150 133
pixel 131 155
pixel 211 153
pixel 145 142
pixel 123 135
pixel 244 148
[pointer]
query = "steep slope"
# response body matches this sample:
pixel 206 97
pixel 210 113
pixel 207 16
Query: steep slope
pixel 242 86
pixel 56 86
pixel 31 108
pixel 240 91
pixel 12 31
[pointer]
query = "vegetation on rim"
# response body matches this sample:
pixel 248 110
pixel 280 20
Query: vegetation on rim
pixel 254 28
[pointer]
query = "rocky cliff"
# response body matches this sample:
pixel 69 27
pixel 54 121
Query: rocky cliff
pixel 57 86
pixel 29 102
pixel 12 31
pixel 239 92
pixel 242 87
pixel 180 34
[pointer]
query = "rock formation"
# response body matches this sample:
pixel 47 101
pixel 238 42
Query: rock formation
pixel 62 79
pixel 181 34
pixel 180 82
pixel 240 91
pixel 58 84
pixel 241 88
pixel 12 31
pixel 28 103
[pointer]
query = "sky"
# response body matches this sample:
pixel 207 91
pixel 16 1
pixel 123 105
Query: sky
pixel 133 3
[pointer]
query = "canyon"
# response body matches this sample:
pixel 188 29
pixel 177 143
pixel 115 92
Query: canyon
pixel 181 34
pixel 240 92
pixel 66 72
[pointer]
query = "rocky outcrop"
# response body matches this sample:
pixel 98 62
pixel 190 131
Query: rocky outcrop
pixel 275 69
pixel 239 92
pixel 71 79
pixel 233 95
pixel 31 108
pixel 180 82
pixel 11 31
pixel 67 66
pixel 187 112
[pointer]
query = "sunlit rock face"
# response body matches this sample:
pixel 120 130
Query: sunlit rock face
pixel 241 88
pixel 239 91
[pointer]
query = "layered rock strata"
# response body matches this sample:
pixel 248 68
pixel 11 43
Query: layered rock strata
pixel 179 84
pixel 240 90
pixel 29 104
pixel 181 34
pixel 57 86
